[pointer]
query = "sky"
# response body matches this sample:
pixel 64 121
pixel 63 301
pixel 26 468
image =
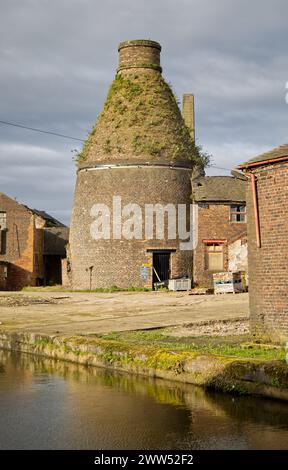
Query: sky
pixel 58 57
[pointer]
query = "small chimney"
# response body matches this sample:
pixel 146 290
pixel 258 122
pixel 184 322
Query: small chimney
pixel 188 113
pixel 139 53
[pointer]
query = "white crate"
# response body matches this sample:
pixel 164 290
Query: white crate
pixel 179 284
pixel 227 282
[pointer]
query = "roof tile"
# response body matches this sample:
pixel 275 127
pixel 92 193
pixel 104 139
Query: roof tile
pixel 219 189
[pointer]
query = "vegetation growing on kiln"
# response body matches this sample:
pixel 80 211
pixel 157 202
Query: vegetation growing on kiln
pixel 140 117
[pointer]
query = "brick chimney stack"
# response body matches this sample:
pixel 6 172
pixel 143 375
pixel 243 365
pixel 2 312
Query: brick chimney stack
pixel 188 113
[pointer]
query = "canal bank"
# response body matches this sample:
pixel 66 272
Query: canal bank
pixel 241 375
pixel 50 404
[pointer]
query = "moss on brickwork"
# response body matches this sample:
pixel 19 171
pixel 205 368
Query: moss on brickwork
pixel 140 117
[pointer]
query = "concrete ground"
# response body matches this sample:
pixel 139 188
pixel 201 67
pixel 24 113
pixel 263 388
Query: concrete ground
pixel 60 313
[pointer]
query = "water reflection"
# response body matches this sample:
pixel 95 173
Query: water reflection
pixel 52 404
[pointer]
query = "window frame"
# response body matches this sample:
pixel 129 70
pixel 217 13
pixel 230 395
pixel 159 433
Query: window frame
pixel 238 213
pixel 3 216
pixel 3 232
pixel 210 250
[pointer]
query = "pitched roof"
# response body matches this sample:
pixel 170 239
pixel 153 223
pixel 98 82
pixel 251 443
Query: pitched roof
pixel 275 154
pixel 219 189
pixel 51 221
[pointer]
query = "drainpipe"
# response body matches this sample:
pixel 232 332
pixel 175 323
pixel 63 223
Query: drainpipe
pixel 256 207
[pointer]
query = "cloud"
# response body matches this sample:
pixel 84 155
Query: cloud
pixel 59 56
pixel 226 154
pixel 38 177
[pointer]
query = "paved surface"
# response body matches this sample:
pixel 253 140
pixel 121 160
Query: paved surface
pixel 85 313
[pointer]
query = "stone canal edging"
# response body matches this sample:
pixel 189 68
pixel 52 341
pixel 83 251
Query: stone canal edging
pixel 228 374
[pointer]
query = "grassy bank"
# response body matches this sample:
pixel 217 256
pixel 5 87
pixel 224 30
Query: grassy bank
pixel 141 353
pixel 103 290
pixel 239 346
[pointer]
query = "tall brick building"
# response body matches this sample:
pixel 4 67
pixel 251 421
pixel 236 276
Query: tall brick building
pixel 267 208
pixel 32 244
pixel 222 228
pixel 141 151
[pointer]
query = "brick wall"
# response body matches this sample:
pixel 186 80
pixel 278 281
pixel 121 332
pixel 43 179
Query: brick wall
pixel 139 54
pixel 268 277
pixel 22 242
pixel 118 262
pixel 3 276
pixel 66 273
pixel 238 255
pixel 214 223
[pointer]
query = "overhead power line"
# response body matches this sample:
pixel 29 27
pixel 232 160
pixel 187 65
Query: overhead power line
pixel 219 167
pixel 6 123
pixel 57 134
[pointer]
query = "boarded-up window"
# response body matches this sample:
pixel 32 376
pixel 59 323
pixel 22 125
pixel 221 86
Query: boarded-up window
pixel 214 257
pixel 238 213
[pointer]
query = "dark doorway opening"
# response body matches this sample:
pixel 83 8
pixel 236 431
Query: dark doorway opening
pixel 161 264
pixel 52 270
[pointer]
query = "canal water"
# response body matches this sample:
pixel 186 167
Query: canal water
pixel 47 404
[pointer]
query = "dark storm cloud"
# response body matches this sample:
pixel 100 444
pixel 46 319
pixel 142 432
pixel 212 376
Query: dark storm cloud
pixel 59 56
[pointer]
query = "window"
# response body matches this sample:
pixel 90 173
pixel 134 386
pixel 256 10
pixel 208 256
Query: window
pixel 214 257
pixel 3 242
pixel 3 227
pixel 3 223
pixel 238 213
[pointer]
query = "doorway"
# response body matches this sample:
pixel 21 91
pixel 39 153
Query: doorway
pixel 52 270
pixel 161 264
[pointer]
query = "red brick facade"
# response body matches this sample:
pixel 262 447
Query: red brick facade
pixel 214 225
pixel 22 245
pixel 268 280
